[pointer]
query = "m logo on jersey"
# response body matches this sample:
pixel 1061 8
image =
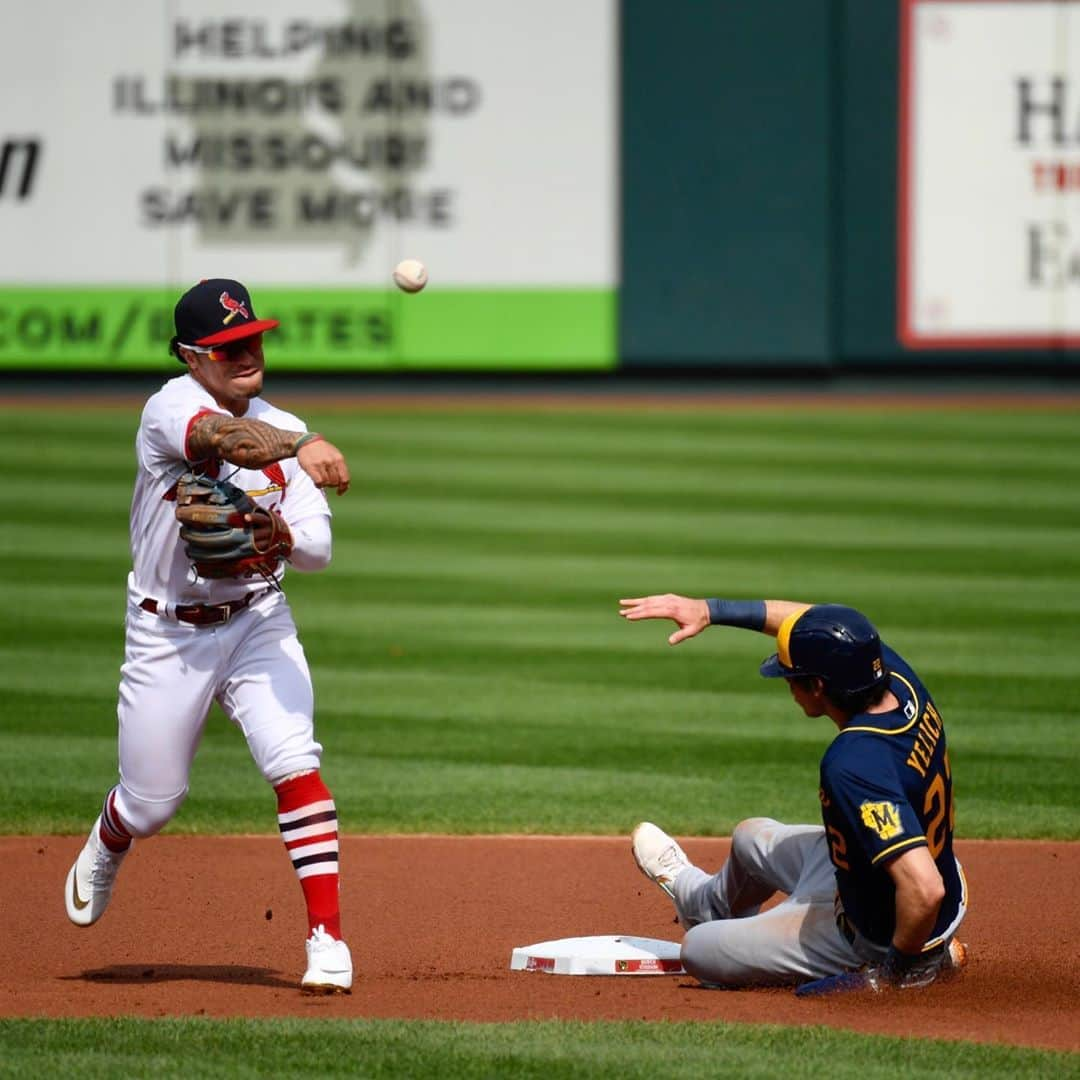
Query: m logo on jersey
pixel 883 818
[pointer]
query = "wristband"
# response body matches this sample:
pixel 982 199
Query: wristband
pixel 746 614
pixel 307 437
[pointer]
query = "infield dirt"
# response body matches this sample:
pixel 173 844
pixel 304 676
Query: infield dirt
pixel 214 927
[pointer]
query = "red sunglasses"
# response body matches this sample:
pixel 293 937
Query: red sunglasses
pixel 230 351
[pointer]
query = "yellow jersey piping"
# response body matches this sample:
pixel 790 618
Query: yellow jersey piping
pixel 893 731
pixel 896 847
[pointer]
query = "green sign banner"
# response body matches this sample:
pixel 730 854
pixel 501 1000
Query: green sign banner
pixel 128 329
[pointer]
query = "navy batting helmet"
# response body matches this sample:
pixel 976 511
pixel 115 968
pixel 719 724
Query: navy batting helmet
pixel 838 644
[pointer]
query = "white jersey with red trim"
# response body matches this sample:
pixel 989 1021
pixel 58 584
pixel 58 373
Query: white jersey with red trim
pixel 161 571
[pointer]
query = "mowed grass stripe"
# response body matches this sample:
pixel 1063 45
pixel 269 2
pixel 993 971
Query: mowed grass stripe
pixel 467 639
pixel 536 561
pixel 982 438
pixel 629 486
pixel 1021 576
pixel 498 622
pixel 761 483
pixel 583 516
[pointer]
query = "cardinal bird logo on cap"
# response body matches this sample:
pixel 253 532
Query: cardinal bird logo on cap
pixel 233 307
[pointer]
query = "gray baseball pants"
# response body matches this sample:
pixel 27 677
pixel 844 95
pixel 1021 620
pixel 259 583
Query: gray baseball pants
pixel 731 942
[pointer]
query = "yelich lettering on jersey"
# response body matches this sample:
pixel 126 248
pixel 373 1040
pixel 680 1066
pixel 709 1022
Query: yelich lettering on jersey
pixel 882 817
pixel 926 739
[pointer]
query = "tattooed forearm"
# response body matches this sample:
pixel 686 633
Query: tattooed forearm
pixel 249 443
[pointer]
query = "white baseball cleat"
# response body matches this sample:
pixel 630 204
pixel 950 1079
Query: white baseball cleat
pixel 329 969
pixel 658 856
pixel 91 878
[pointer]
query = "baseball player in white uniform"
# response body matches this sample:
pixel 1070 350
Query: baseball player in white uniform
pixel 230 637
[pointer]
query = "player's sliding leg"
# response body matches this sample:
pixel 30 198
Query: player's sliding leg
pixel 766 857
pixel 728 942
pixel 794 941
pixel 307 819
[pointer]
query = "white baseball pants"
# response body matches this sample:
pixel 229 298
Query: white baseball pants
pixel 253 666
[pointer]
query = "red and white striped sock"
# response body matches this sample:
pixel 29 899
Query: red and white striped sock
pixel 112 831
pixel 307 819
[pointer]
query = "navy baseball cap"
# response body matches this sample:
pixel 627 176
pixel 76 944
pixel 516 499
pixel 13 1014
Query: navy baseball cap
pixel 836 643
pixel 215 312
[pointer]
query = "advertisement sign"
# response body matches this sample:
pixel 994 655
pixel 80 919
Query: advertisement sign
pixel 989 185
pixel 305 148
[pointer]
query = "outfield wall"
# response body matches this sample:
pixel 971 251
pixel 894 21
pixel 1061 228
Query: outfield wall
pixel 811 184
pixel 837 182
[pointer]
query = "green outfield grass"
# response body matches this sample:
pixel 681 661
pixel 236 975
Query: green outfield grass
pixel 472 673
pixel 246 1048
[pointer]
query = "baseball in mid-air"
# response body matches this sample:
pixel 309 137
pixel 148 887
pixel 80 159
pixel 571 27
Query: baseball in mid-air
pixel 410 275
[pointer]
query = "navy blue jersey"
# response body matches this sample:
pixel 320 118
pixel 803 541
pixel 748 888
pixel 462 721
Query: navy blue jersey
pixel 885 789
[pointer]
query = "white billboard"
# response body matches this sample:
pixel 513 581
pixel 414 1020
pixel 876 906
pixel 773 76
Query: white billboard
pixel 303 146
pixel 989 184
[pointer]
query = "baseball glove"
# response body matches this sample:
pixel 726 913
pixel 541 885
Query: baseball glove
pixel 225 533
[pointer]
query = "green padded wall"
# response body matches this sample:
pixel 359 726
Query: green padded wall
pixel 725 224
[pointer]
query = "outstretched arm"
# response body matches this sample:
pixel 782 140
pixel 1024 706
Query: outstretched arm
pixel 253 444
pixel 776 611
pixel 693 616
